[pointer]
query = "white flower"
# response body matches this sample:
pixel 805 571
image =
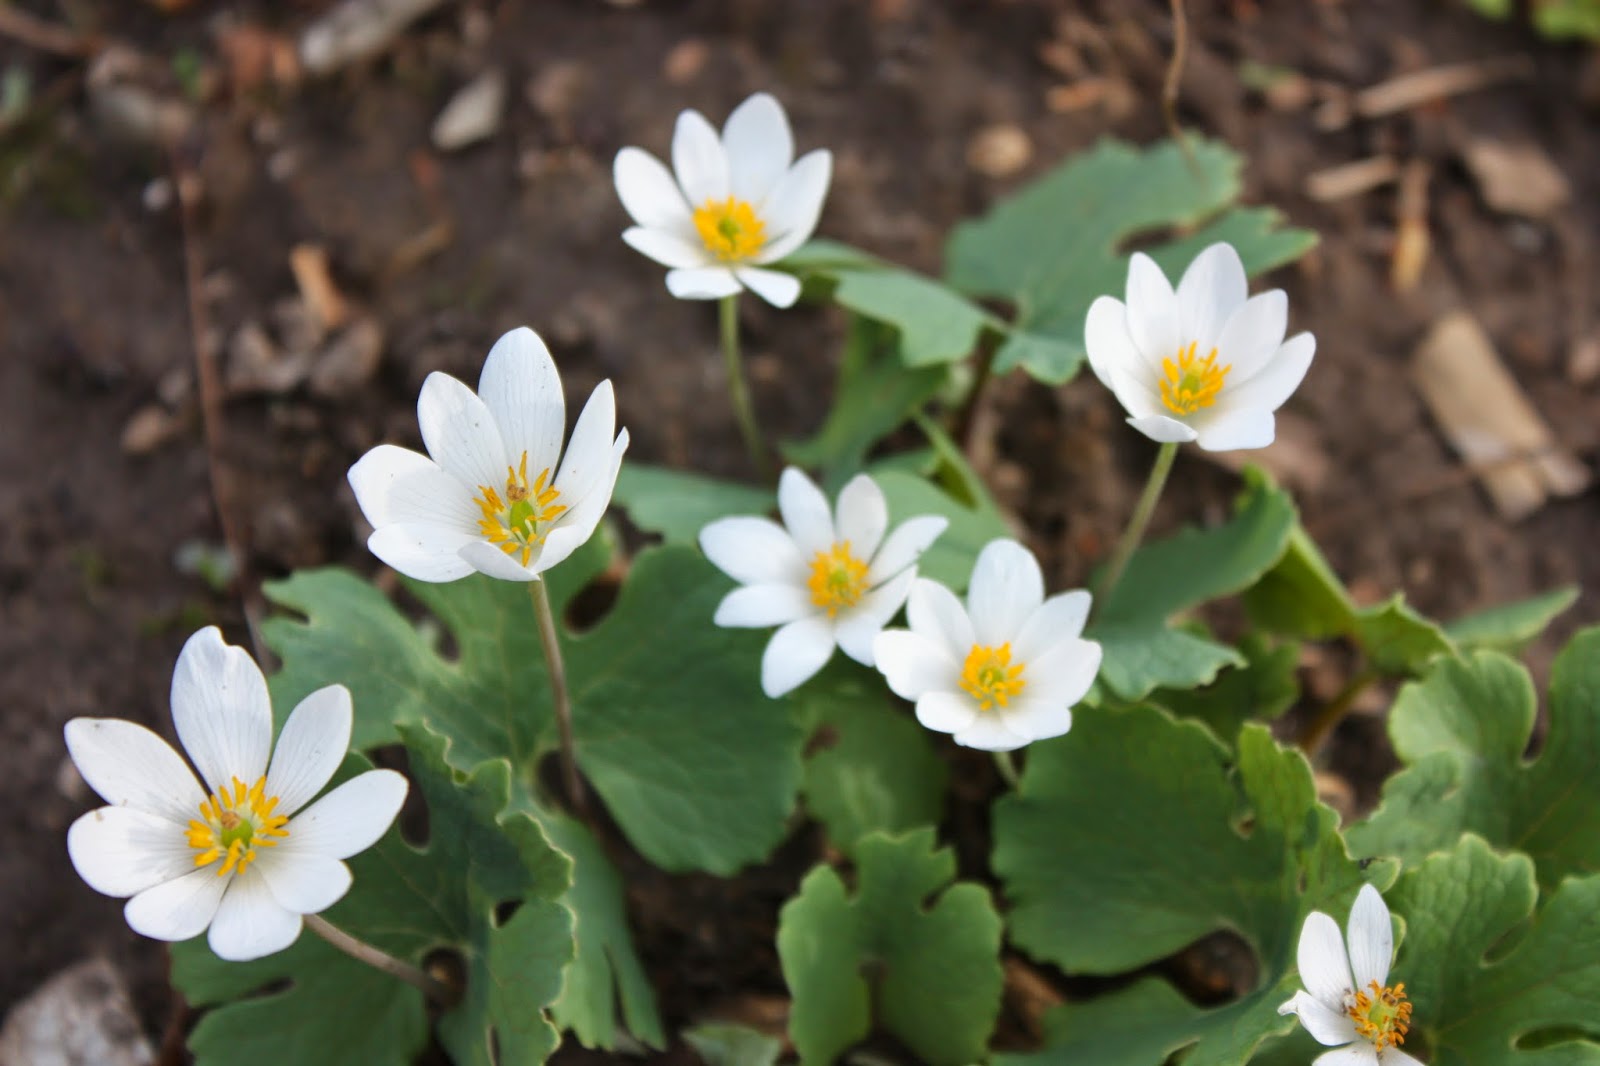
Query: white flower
pixel 1366 1015
pixel 237 854
pixel 735 204
pixel 1002 671
pixel 487 500
pixel 826 582
pixel 1201 364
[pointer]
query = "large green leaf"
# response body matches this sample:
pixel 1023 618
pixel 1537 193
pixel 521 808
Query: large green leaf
pixel 409 902
pixel 1462 730
pixel 1137 834
pixel 908 950
pixel 678 504
pixel 950 558
pixel 1509 627
pixel 1055 246
pixel 1260 690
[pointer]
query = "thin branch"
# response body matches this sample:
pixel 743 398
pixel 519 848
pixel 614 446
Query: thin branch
pixel 1170 86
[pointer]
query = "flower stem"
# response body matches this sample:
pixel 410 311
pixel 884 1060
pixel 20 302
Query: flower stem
pixel 1334 711
pixel 430 986
pixel 1136 525
pixel 737 390
pixel 559 693
pixel 1006 763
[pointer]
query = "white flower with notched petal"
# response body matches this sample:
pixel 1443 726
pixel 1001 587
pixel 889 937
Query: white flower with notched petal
pixel 735 204
pixel 1002 671
pixel 1366 1015
pixel 492 497
pixel 238 854
pixel 825 580
pixel 1200 364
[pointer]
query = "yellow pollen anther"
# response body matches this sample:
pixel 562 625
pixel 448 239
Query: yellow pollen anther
pixel 233 824
pixel 518 524
pixel 838 579
pixel 990 676
pixel 1382 1015
pixel 730 229
pixel 1192 383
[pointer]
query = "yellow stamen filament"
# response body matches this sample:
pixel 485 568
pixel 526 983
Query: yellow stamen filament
pixel 518 524
pixel 730 229
pixel 838 579
pixel 1192 383
pixel 233 823
pixel 1381 1016
pixel 991 677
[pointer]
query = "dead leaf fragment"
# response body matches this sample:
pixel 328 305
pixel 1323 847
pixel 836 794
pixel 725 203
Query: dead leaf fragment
pixel 349 361
pixel 150 427
pixel 309 264
pixel 999 151
pixel 1518 179
pixel 473 113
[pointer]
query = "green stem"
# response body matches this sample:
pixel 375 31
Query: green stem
pixel 740 394
pixel 1137 524
pixel 560 695
pixel 430 986
pixel 1006 763
pixel 1335 710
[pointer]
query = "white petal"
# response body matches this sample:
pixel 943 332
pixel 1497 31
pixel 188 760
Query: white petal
pixel 301 881
pixel 1252 333
pixel 791 210
pixel 1371 938
pixel 777 288
pixel 669 248
pixel 349 819
pixel 934 612
pixel 1393 1056
pixel 460 432
pixel 1238 429
pixel 702 283
pixel 1152 309
pixel 905 545
pixel 1360 1053
pixel 649 192
pixel 588 457
pixel 759 146
pixel 394 485
pixel 753 551
pixel 857 627
pixel 1164 430
pixel 488 559
pixel 1111 350
pixel 1275 382
pixel 313 743
pixel 989 733
pixel 913 664
pixel 121 851
pixel 1060 617
pixel 574 528
pixel 1327 1026
pixel 250 923
pixel 1064 673
pixel 1211 290
pixel 699 160
pixel 521 388
pixel 759 606
pixel 1007 587
pixel 1324 968
pixel 177 910
pixel 805 513
pixel 129 766
pixel 795 653
pixel 1034 719
pixel 221 708
pixel 947 712
pixel 425 551
pixel 861 516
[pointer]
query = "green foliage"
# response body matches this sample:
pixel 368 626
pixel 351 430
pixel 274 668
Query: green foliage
pixel 1462 731
pixel 950 558
pixel 733 1045
pixel 1137 834
pixel 409 902
pixel 1260 690
pixel 926 970
pixel 1509 627
pixel 677 504
pixel 1556 19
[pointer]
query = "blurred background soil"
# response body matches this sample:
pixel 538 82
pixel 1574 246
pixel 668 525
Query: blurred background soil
pixel 171 175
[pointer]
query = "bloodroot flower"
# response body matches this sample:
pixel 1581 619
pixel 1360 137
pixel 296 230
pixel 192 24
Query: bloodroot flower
pixel 826 579
pixel 492 497
pixel 1347 1000
pixel 1200 364
pixel 237 854
pixel 734 204
pixel 1002 671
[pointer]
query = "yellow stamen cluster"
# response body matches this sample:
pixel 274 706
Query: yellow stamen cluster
pixel 990 676
pixel 233 824
pixel 1192 383
pixel 838 579
pixel 730 229
pixel 1381 1016
pixel 518 524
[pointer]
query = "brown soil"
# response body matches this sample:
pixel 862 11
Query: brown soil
pixel 94 327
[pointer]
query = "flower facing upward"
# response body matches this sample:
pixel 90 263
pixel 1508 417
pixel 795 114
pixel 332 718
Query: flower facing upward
pixel 1200 364
pixel 826 579
pixel 1347 1002
pixel 1002 671
pixel 734 204
pixel 237 853
pixel 492 497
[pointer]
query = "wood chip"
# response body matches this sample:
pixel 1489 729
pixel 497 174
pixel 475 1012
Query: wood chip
pixel 1412 240
pixel 1413 90
pixel 999 151
pixel 150 427
pixel 1518 179
pixel 1351 179
pixel 309 263
pixel 1489 420
pixel 473 114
